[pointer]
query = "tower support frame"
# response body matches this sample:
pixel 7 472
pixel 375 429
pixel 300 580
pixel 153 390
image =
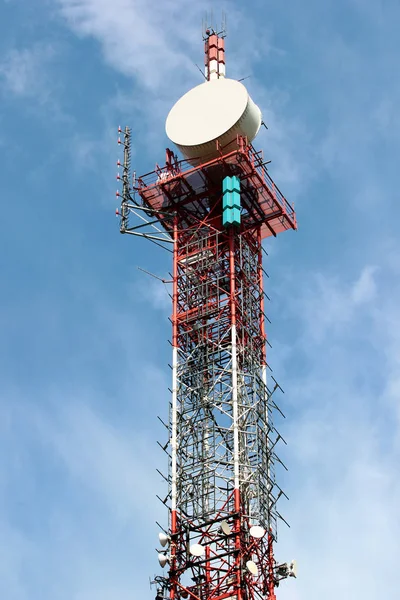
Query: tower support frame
pixel 222 440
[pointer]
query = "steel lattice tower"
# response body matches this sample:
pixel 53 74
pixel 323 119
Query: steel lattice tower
pixel 222 491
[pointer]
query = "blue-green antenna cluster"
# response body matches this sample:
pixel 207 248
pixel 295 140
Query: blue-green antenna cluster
pixel 231 201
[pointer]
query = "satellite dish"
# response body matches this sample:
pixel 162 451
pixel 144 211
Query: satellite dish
pixel 163 559
pixel 214 110
pixel 225 528
pixel 252 567
pixel 293 569
pixel 257 532
pixel 163 539
pixel 196 550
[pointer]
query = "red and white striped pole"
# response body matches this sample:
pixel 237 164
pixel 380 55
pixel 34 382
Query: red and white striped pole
pixel 214 59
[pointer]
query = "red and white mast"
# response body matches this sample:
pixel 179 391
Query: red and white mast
pixel 214 59
pixel 214 208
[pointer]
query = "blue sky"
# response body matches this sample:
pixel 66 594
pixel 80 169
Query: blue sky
pixel 83 347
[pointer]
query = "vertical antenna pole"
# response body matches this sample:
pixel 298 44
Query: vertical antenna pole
pixel 235 412
pixel 264 350
pixel 271 564
pixel 174 409
pixel 126 196
pixel 127 162
pixel 234 361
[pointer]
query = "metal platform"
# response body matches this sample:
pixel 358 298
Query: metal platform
pixel 196 192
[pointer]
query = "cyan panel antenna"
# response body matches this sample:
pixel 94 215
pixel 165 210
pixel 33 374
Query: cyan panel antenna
pixel 231 201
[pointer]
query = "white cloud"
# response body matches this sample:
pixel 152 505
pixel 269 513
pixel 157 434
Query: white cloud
pixel 159 44
pixel 80 497
pixel 15 551
pixel 108 460
pixel 343 436
pixel 23 72
pixel 137 38
pixel 155 293
pixel 326 303
pixel 364 289
pixel 29 74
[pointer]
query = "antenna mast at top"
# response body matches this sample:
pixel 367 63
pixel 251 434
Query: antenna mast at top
pixel 208 26
pixel 214 48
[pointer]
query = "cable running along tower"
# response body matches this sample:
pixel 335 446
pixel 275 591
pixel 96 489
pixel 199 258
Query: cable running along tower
pixel 211 210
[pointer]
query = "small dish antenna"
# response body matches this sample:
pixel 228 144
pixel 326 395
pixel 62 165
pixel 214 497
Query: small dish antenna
pixel 252 567
pixel 163 559
pixel 225 528
pixel 293 569
pixel 163 539
pixel 257 532
pixel 196 550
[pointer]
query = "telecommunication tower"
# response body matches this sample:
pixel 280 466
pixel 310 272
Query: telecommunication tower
pixel 211 210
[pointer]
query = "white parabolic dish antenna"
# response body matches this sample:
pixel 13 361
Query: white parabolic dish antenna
pixel 225 528
pixel 219 109
pixel 197 550
pixel 256 531
pixel 252 567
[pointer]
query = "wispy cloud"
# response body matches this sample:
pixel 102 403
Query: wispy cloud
pixel 29 75
pixel 342 378
pixel 137 40
pixel 83 509
pixel 104 459
pixel 329 303
pixel 23 71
